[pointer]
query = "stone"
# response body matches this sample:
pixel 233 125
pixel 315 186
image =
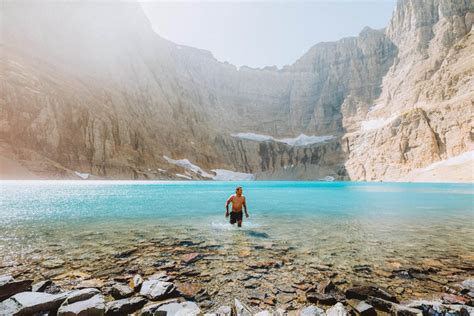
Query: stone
pixel 125 253
pixel 365 309
pixel 136 282
pixel 52 263
pixel 286 289
pixel 124 306
pixel 94 306
pixel 263 313
pixel 312 310
pixel 326 286
pixel 174 308
pixel 96 283
pixel 321 298
pixel 28 303
pixel 337 310
pixel 468 285
pixel 156 290
pixel 224 311
pixel 362 292
pixel 241 309
pixel 191 257
pixel 453 299
pixel 120 291
pixel 81 295
pixel 9 286
pixel 41 286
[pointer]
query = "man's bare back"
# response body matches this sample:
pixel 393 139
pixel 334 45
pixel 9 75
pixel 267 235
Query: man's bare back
pixel 238 202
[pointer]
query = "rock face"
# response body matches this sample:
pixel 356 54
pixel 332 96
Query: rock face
pixel 107 97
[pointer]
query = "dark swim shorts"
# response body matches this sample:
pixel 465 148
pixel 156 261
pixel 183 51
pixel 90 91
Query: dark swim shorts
pixel 235 217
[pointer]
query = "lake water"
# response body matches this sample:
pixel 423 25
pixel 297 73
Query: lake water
pixel 337 223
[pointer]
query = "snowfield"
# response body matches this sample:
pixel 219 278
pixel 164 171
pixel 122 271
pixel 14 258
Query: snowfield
pixel 301 140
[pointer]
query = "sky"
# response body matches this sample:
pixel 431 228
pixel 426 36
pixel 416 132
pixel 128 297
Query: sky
pixel 263 33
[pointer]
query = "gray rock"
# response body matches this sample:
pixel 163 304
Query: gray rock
pixel 41 286
pixel 81 295
pixel 94 306
pixel 27 303
pixel 241 309
pixel 52 263
pixel 151 309
pixel 136 282
pixel 224 311
pixel 124 306
pixel 321 298
pixel 9 286
pixel 393 308
pixel 173 308
pixel 120 291
pixel 337 310
pixel 468 285
pixel 365 309
pixel 155 289
pixel 312 311
pixel 263 313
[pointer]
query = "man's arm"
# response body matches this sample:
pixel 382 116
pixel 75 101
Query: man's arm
pixel 245 207
pixel 227 205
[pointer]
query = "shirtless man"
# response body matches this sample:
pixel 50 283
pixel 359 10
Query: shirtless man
pixel 237 200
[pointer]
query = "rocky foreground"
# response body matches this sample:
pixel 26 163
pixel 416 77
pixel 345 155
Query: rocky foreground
pixel 171 276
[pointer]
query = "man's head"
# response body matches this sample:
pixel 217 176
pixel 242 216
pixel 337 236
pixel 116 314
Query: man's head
pixel 238 190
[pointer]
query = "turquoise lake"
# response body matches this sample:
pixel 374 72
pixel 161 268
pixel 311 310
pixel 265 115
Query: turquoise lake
pixel 338 222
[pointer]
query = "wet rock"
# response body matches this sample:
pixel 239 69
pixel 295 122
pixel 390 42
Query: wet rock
pixel 312 311
pixel 29 303
pixel 240 309
pixel 365 309
pixel 337 310
pixel 52 263
pixel 94 306
pixel 81 295
pixel 155 289
pixel 136 282
pixel 362 292
pixel 191 257
pixel 9 286
pixel 120 291
pixel 124 306
pixel 41 286
pixel 321 298
pixel 125 253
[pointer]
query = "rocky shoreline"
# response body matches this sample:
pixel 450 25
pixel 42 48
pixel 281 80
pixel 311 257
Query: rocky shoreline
pixel 193 277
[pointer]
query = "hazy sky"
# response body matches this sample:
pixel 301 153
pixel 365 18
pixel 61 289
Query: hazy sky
pixel 264 33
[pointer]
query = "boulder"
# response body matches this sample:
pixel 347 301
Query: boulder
pixel 365 309
pixel 120 291
pixel 172 308
pixel 9 286
pixel 81 295
pixel 94 306
pixel 124 306
pixel 337 310
pixel 156 290
pixel 312 310
pixel 28 303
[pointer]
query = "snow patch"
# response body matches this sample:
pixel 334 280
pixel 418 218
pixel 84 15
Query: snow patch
pixel 227 175
pixel 81 175
pixel 327 179
pixel 186 164
pixel 457 160
pixel 376 123
pixel 183 176
pixel 301 140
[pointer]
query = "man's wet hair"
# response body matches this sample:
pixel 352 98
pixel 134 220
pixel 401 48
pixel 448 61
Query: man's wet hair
pixel 237 188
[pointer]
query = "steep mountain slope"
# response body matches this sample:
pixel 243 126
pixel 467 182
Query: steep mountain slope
pixel 103 94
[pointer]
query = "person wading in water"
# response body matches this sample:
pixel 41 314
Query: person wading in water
pixel 237 200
